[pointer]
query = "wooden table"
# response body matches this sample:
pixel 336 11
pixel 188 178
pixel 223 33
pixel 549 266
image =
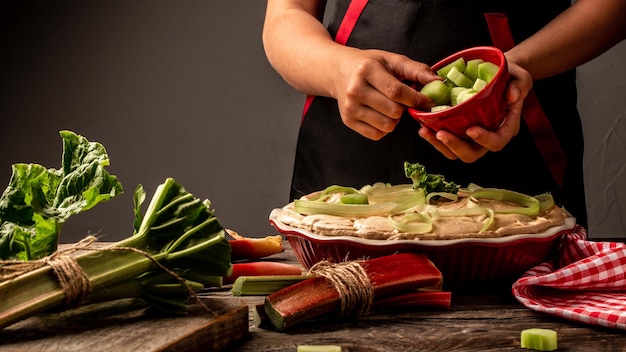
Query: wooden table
pixel 484 321
pixel 490 320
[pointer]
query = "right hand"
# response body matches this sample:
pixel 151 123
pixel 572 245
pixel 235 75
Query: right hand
pixel 371 92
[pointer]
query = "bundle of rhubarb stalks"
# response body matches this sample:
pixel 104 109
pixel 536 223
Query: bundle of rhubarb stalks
pixel 399 281
pixel 178 247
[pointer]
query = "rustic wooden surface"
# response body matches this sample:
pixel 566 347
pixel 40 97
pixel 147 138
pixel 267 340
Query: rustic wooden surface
pixel 129 325
pixel 489 320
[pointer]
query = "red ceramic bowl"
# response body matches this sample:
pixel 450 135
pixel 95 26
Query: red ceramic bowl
pixel 486 109
pixel 465 263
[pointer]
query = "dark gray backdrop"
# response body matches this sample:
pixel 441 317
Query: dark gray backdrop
pixel 176 89
pixel 182 89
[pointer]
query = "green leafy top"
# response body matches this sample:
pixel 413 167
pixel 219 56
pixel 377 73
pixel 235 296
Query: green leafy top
pixel 37 201
pixel 428 182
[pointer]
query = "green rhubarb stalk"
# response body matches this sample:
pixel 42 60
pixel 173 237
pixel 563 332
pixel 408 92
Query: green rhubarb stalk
pixel 376 200
pixel 178 232
pixel 308 207
pixel 158 289
pixel 263 285
pixel 530 205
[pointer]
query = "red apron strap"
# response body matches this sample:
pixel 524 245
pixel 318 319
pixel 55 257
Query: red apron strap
pixel 355 9
pixel 500 31
pixel 532 112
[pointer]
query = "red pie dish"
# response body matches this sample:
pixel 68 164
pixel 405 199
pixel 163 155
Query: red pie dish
pixel 464 263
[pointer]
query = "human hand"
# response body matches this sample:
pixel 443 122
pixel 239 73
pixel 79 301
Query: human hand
pixel 370 90
pixel 481 140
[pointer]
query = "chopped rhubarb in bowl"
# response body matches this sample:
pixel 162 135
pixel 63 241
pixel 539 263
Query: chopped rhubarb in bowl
pixel 487 106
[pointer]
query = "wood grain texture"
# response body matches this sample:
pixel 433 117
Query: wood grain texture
pixel 129 325
pixel 487 320
pixel 490 319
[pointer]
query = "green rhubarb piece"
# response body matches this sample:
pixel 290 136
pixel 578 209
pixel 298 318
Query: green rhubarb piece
pixel 479 84
pixel 437 91
pixel 457 77
pixel 319 348
pixel 465 96
pixel 439 108
pixel 471 68
pixel 263 285
pixel 454 93
pixel 487 71
pixel 539 339
pixel 353 198
pixel 458 63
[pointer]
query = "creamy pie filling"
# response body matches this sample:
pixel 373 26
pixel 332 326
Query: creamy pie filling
pixel 444 228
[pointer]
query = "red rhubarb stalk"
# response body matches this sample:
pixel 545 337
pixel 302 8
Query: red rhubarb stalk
pixel 406 300
pixel 317 297
pixel 417 299
pixel 261 268
pixel 254 248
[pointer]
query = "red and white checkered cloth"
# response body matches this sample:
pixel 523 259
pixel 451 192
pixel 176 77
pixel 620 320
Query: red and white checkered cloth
pixel 586 283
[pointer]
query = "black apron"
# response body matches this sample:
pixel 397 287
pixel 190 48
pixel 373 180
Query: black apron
pixel 330 153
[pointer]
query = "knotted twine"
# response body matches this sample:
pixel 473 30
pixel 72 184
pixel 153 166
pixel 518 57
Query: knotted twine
pixel 72 279
pixel 349 278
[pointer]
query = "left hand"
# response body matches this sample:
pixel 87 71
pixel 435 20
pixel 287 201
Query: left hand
pixel 482 140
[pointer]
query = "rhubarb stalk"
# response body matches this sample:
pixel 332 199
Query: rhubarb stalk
pixel 405 300
pixel 264 285
pixel 178 233
pixel 254 248
pixel 417 299
pixel 260 268
pixel 317 296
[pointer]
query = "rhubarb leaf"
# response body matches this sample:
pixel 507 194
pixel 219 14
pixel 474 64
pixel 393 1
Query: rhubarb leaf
pixel 38 201
pixel 428 182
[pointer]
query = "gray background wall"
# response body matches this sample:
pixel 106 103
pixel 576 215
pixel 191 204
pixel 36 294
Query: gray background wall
pixel 182 89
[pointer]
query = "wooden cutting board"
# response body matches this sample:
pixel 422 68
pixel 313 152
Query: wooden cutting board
pixel 130 325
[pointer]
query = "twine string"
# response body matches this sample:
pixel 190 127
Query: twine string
pixel 356 293
pixel 72 278
pixel 14 268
